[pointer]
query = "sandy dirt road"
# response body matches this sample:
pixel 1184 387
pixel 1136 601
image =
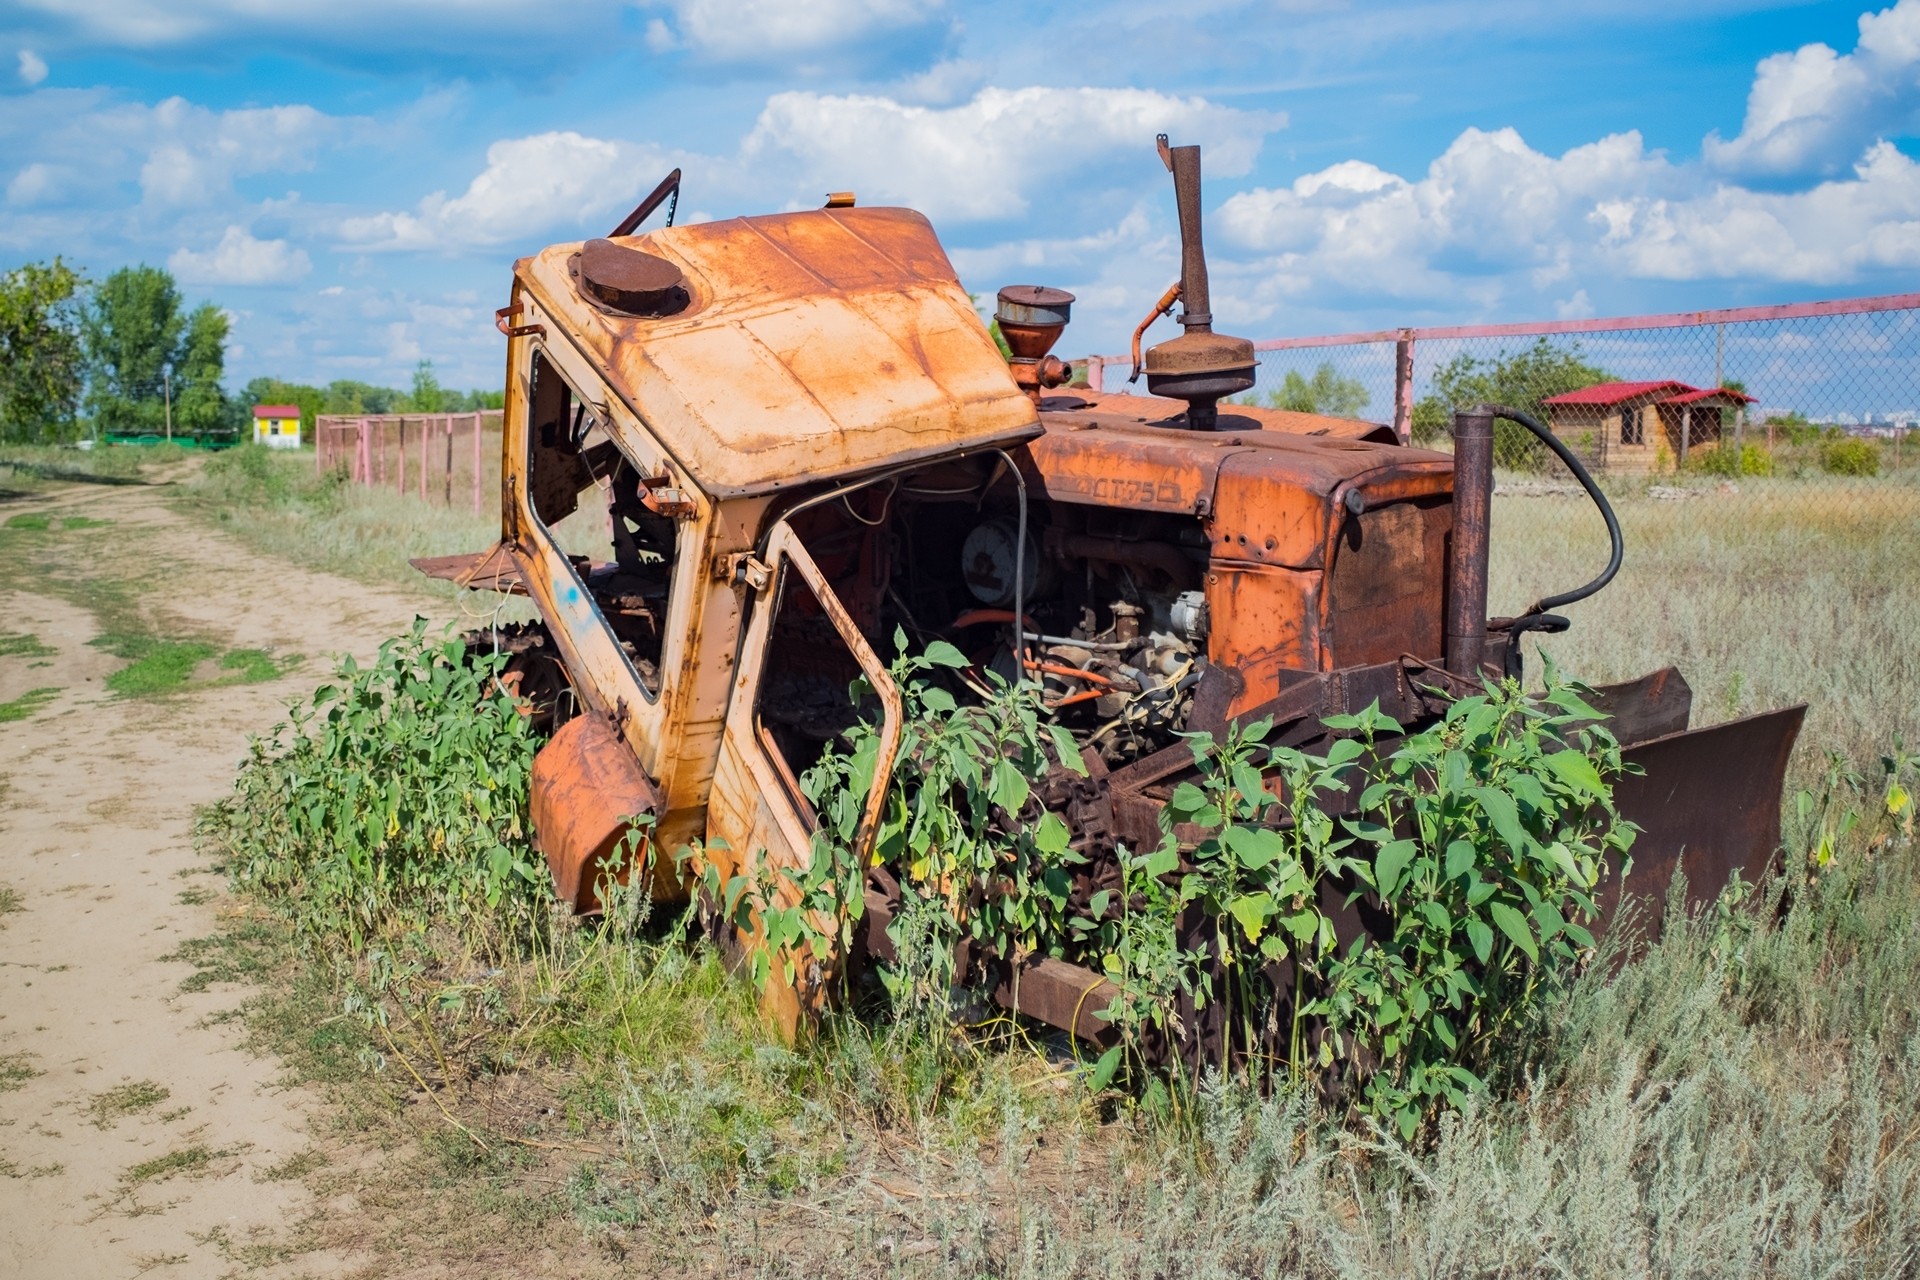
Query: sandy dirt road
pixel 136 1136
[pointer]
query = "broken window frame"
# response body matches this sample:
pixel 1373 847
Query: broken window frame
pixel 633 442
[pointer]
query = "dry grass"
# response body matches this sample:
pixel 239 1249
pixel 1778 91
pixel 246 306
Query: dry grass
pixel 1738 1101
pixel 1784 591
pixel 276 503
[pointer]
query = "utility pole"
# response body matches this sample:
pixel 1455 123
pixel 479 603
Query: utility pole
pixel 166 379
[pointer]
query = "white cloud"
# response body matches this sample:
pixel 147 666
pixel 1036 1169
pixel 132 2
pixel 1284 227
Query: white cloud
pixel 660 37
pixel 153 23
pixel 33 67
pixel 1492 217
pixel 530 185
pixel 1813 111
pixel 758 30
pixel 1831 234
pixel 987 157
pixel 196 153
pixel 943 82
pixel 241 259
pixel 38 183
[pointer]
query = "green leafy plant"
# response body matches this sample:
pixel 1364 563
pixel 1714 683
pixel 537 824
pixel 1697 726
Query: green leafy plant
pixel 1724 460
pixel 1480 841
pixel 1846 456
pixel 396 792
pixel 982 867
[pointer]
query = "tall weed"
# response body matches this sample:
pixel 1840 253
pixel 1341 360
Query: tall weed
pixel 396 794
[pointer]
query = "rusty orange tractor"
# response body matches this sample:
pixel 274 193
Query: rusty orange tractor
pixel 740 454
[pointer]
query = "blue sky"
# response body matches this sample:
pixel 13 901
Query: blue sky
pixel 352 179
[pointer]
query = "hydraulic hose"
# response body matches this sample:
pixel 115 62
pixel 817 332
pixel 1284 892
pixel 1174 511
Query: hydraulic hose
pixel 1579 470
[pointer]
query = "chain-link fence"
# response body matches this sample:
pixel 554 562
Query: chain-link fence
pixel 1764 463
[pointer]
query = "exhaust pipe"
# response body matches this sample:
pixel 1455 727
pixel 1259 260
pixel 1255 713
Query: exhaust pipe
pixel 1200 366
pixel 1472 527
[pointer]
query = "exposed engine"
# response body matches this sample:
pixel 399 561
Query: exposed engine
pixel 1121 640
pixel 1116 624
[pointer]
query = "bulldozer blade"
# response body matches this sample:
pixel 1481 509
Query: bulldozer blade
pixel 1707 802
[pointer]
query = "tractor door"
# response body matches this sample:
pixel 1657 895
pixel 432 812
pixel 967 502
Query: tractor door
pixel 798 658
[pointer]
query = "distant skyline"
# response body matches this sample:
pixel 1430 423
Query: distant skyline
pixel 352 180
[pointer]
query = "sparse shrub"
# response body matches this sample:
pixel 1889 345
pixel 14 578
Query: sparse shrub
pixel 1723 460
pixel 1481 838
pixel 398 792
pixel 1847 456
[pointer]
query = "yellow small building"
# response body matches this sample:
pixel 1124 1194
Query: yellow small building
pixel 277 425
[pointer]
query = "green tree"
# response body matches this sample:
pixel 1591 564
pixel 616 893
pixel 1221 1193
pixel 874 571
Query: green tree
pixel 468 402
pixel 427 396
pixel 347 396
pixel 41 365
pixel 1326 392
pixel 199 403
pixel 1521 381
pixel 133 334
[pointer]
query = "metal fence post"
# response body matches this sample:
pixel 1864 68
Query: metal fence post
pixel 1403 387
pixel 477 418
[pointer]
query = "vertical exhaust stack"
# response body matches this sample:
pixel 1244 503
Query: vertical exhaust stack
pixel 1468 554
pixel 1200 366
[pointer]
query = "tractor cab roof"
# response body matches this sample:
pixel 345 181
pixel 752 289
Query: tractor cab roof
pixel 811 346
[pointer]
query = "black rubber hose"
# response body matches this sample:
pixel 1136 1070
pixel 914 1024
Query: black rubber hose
pixel 1579 471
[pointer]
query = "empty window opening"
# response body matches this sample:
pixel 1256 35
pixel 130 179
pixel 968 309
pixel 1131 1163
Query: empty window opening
pixel 587 497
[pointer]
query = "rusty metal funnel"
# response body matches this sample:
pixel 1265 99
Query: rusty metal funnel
pixel 1200 366
pixel 1031 318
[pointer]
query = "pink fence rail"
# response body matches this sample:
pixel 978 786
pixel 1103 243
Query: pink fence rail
pixel 423 454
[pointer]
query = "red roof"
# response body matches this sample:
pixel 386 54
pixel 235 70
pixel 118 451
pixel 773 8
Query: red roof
pixel 1614 392
pixel 1695 397
pixel 276 411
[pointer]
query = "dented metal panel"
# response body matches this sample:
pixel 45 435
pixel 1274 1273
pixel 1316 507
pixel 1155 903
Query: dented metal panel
pixel 586 790
pixel 815 345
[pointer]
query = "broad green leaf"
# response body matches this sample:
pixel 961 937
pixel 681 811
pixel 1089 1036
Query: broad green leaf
pixel 1460 858
pixel 1254 847
pixel 1252 911
pixel 1576 771
pixel 1344 751
pixel 1390 862
pixel 1104 1069
pixel 1246 781
pixel 1481 936
pixel 1551 922
pixel 942 654
pixel 1186 801
pixel 1010 790
pixel 1051 835
pixel 1515 926
pixel 1069 752
pixel 1500 811
pixel 1573 704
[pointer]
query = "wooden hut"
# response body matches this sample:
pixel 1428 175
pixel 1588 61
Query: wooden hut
pixel 1694 418
pixel 1613 426
pixel 1627 426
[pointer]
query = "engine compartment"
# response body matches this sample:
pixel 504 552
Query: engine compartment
pixel 1116 617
